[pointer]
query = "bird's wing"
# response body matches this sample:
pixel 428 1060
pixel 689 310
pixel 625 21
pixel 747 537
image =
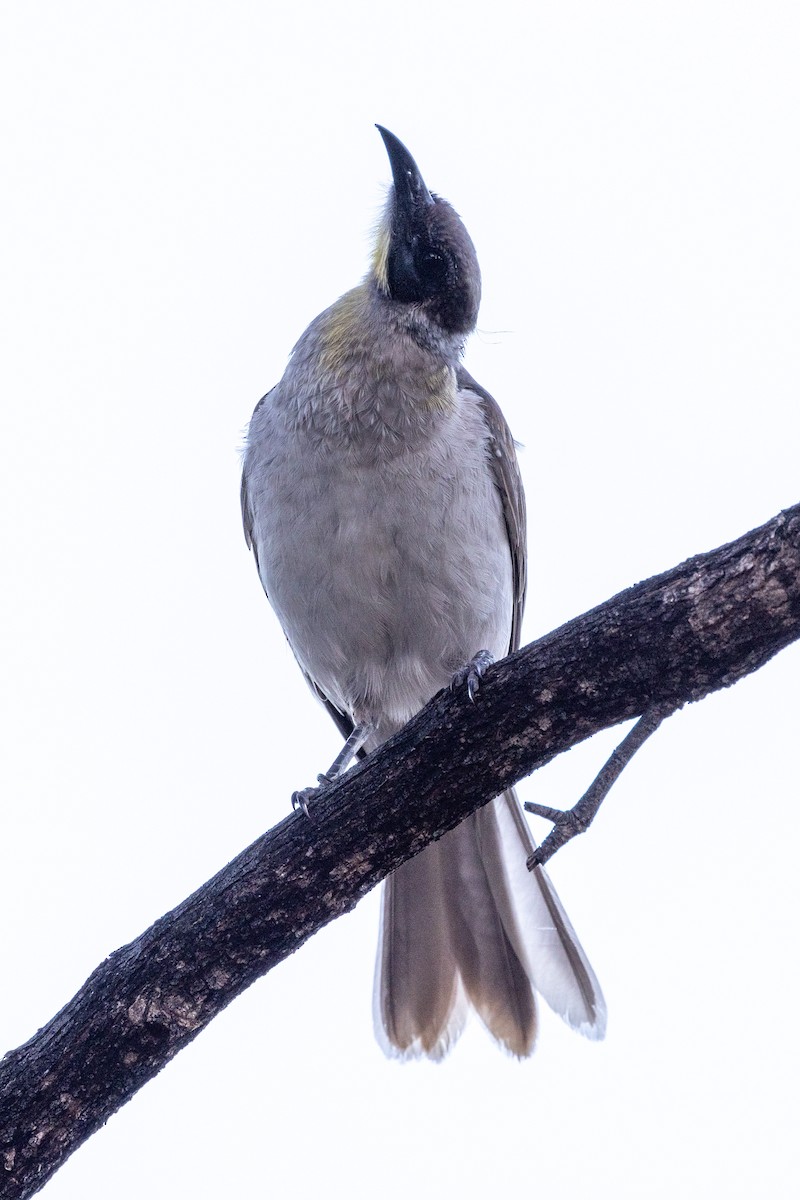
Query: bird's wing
pixel 247 510
pixel 509 484
pixel 531 912
pixel 340 719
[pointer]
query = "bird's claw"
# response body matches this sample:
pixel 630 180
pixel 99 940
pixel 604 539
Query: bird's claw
pixel 471 673
pixel 302 798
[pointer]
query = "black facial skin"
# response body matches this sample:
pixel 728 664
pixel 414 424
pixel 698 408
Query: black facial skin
pixel 431 259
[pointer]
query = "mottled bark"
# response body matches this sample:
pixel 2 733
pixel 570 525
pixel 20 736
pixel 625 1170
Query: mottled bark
pixel 672 639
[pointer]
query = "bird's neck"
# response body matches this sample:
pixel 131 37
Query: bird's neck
pixel 369 369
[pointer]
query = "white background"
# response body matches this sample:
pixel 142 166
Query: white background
pixel 185 186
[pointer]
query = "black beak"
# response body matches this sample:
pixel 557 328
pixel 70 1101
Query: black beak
pixel 409 186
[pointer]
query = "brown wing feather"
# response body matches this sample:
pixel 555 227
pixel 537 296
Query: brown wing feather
pixel 508 480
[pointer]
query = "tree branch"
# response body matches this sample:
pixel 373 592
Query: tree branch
pixel 672 639
pixel 568 823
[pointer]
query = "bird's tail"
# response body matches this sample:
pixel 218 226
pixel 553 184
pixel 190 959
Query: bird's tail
pixel 466 924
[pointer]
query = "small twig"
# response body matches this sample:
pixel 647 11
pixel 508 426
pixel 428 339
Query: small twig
pixel 567 824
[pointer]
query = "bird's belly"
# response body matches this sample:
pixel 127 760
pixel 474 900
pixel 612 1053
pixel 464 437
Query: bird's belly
pixel 387 579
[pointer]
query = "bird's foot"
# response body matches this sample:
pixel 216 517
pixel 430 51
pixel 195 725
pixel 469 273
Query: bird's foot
pixel 471 673
pixel 304 796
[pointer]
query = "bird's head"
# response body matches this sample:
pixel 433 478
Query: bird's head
pixel 424 255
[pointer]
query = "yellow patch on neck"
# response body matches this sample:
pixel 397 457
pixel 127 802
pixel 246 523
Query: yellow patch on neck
pixel 380 255
pixel 441 389
pixel 340 332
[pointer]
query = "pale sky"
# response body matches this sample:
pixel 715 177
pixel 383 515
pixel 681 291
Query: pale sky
pixel 185 187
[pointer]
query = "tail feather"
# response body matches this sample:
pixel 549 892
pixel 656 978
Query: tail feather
pixel 491 971
pixel 539 929
pixel 419 1001
pixel 465 923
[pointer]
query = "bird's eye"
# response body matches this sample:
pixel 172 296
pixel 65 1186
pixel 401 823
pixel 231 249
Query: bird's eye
pixel 433 269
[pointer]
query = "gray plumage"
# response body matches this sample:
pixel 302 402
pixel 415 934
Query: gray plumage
pixel 383 502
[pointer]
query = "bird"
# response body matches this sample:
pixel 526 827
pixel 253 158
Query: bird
pixel 383 502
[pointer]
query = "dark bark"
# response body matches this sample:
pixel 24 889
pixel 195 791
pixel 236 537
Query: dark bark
pixel 672 639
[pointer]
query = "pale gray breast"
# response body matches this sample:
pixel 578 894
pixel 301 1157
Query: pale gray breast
pixel 387 572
